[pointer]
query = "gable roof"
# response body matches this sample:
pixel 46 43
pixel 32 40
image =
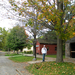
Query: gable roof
pixel 71 40
pixel 44 41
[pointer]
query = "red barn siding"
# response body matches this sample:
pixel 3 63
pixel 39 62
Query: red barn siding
pixel 50 46
pixel 38 48
pixel 51 49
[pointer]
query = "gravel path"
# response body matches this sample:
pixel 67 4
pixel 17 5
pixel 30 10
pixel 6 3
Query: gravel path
pixel 8 67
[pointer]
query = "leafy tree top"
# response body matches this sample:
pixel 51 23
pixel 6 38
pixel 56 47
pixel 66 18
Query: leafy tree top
pixel 17 38
pixel 58 15
pixel 54 14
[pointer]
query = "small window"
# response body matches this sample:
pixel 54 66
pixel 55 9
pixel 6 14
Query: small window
pixel 37 45
pixel 47 48
pixel 55 48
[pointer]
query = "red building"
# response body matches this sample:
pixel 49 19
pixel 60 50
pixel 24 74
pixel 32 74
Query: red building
pixel 50 45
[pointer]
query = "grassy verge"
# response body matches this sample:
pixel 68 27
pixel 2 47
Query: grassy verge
pixel 12 54
pixel 23 58
pixel 52 68
pixel 53 56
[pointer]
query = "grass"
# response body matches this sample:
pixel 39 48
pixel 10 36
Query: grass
pixel 12 54
pixel 53 56
pixel 52 68
pixel 23 58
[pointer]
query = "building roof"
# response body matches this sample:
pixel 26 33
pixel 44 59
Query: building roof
pixel 71 40
pixel 44 41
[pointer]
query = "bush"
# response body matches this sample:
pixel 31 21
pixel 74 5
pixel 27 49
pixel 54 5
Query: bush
pixel 28 52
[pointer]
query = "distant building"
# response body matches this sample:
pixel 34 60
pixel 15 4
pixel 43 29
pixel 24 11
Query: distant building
pixel 50 45
pixel 70 48
pixel 26 49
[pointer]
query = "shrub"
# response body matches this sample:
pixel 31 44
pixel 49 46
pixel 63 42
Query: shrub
pixel 28 52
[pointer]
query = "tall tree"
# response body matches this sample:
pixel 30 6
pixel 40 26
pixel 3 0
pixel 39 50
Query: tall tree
pixel 32 25
pixel 34 29
pixel 16 39
pixel 53 15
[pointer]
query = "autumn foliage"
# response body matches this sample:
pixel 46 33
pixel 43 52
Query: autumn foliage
pixel 58 15
pixel 48 10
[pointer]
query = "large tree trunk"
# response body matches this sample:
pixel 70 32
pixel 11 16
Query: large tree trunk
pixel 59 40
pixel 59 50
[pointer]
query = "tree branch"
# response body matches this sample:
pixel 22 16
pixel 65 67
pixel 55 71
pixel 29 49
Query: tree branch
pixel 49 3
pixel 47 25
pixel 68 23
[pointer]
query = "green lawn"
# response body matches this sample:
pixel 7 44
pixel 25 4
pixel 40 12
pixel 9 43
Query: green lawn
pixel 53 56
pixel 23 58
pixel 12 54
pixel 52 68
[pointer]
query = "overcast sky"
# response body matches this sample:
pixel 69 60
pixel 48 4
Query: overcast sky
pixel 5 15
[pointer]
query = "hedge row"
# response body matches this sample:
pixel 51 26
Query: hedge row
pixel 28 52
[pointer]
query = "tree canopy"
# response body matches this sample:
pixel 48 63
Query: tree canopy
pixel 17 38
pixel 58 15
pixel 53 15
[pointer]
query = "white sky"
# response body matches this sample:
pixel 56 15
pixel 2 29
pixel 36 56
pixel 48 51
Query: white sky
pixel 4 14
pixel 7 23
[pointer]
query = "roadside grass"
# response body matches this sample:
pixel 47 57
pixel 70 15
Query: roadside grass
pixel 23 58
pixel 53 56
pixel 52 68
pixel 12 54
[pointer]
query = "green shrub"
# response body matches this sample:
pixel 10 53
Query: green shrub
pixel 28 52
pixel 25 52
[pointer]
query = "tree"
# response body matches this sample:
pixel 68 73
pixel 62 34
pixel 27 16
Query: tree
pixel 3 34
pixel 17 38
pixel 53 15
pixel 35 29
pixel 32 24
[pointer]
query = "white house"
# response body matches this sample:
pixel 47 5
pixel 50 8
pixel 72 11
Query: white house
pixel 26 49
